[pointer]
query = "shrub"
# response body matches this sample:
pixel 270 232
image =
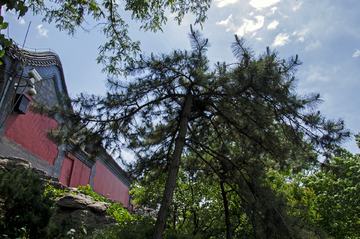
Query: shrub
pixel 24 210
pixel 115 210
pixel 141 228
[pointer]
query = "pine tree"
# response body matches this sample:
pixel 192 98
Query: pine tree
pixel 245 116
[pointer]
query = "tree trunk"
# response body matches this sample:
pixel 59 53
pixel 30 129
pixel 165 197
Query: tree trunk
pixel 173 171
pixel 227 214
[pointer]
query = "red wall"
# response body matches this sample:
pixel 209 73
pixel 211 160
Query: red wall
pixel 66 170
pixel 80 175
pixel 107 183
pixel 75 170
pixel 29 131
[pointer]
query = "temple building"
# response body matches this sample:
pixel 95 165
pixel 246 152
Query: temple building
pixel 27 76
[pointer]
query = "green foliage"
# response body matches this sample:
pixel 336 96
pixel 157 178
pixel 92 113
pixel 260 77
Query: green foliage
pixel 49 190
pixel 301 200
pixel 20 7
pixel 24 210
pixel 69 15
pixel 87 190
pixel 141 228
pixel 336 187
pixel 118 212
pixel 115 210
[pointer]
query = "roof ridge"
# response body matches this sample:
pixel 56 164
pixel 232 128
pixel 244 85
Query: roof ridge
pixel 44 58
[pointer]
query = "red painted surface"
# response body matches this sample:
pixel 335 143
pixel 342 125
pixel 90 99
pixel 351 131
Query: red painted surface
pixel 66 169
pixel 29 131
pixel 74 173
pixel 80 175
pixel 107 183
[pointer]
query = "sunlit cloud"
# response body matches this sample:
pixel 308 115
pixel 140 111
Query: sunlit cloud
pixel 273 25
pixel 357 53
pixel 42 31
pixel 260 4
pixel 250 26
pixel 259 38
pixel 225 22
pixel 251 13
pixel 313 45
pixel 223 3
pixel 297 7
pixel 21 21
pixel 281 39
pixel 301 34
pixel 272 11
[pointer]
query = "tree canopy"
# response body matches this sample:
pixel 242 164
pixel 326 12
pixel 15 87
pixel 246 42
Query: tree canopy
pixel 238 119
pixel 70 15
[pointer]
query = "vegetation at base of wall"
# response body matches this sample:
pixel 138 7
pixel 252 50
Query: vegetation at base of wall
pixel 24 210
pixel 55 192
pixel 87 190
pixel 116 210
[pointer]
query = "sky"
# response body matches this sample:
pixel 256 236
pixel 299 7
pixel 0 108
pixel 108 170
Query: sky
pixel 325 35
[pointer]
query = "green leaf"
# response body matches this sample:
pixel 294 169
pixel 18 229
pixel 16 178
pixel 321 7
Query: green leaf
pixel 4 25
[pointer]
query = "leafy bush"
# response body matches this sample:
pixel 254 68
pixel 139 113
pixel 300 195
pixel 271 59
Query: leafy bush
pixel 115 210
pixel 25 209
pixel 87 190
pixel 142 227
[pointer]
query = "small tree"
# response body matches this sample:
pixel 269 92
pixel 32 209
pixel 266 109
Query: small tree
pixel 24 209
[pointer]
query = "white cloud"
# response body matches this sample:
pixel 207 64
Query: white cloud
pixel 259 38
pixel 313 45
pixel 225 22
pixel 251 13
pixel 250 26
pixel 223 3
pixel 273 25
pixel 42 31
pixel 21 21
pixel 260 4
pixel 303 32
pixel 321 73
pixel 272 11
pixel 297 7
pixel 281 39
pixel 3 10
pixel 357 53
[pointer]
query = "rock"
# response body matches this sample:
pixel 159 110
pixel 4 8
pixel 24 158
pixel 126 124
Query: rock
pixel 81 202
pixel 71 201
pixel 83 218
pixel 77 210
pixel 82 211
pixel 99 206
pixel 10 163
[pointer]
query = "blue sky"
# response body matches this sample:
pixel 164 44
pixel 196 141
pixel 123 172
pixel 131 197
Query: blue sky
pixel 325 34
